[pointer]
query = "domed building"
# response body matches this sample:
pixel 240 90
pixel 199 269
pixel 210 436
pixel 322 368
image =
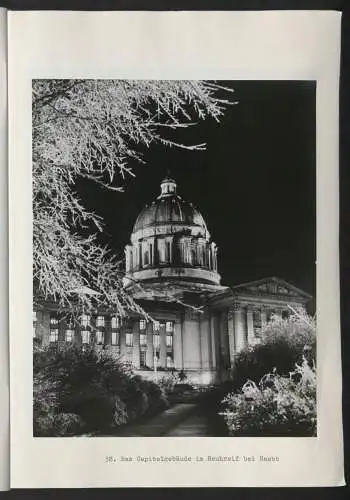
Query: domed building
pixel 172 270
pixel 197 324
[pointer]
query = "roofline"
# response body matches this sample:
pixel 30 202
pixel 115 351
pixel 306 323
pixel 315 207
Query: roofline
pixel 275 279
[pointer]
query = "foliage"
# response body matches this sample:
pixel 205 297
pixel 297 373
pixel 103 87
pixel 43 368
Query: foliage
pixel 79 391
pixel 277 406
pixel 167 383
pixel 283 343
pixel 94 129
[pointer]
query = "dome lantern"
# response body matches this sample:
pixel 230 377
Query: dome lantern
pixel 168 187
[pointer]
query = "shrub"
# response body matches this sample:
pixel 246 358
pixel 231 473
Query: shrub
pixel 79 391
pixel 283 343
pixel 277 406
pixel 168 383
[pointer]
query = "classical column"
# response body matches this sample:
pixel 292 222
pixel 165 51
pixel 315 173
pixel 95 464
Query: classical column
pixel 62 326
pixel 250 325
pixel 191 340
pixel 162 347
pixel 43 328
pixel 213 341
pixel 224 341
pixel 231 335
pixel 149 345
pixel 240 334
pixel 123 350
pixel 127 258
pixel 177 347
pixel 205 341
pixel 108 331
pixel 136 347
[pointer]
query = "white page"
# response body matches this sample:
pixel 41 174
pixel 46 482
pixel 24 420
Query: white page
pixel 4 349
pixel 175 45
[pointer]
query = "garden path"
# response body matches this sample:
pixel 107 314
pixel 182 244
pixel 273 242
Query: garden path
pixel 159 425
pixel 182 420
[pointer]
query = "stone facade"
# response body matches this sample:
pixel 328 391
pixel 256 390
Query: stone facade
pixel 198 325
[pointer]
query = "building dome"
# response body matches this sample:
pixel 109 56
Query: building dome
pixel 167 211
pixel 170 240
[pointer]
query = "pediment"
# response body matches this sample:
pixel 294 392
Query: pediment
pixel 270 287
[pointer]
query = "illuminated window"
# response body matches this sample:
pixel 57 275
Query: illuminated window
pixel 54 335
pixel 100 321
pixel 142 324
pixel 85 320
pixel 156 326
pixel 169 362
pixel 115 338
pixel 169 326
pixel 85 336
pixel 169 341
pixel 156 340
pixel 53 320
pixel 34 316
pixel 143 339
pixel 129 339
pixel 99 337
pixel 115 322
pixel 69 335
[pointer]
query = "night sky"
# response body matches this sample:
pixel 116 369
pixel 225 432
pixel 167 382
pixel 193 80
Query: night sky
pixel 255 185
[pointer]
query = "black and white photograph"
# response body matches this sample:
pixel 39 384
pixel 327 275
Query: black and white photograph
pixel 174 258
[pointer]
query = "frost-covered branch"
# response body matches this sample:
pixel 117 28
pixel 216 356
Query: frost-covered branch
pixel 93 129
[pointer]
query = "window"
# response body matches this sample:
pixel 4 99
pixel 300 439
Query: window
pixel 69 335
pixel 257 319
pixel 169 341
pixel 146 258
pixel 143 339
pixel 85 336
pixel 115 338
pixel 85 320
pixel 53 320
pixel 169 326
pixel 34 324
pixel 142 324
pixel 54 335
pixel 143 358
pixel 115 322
pixel 156 340
pixel 169 362
pixel 99 337
pixel 156 326
pixel 100 321
pixel 129 339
